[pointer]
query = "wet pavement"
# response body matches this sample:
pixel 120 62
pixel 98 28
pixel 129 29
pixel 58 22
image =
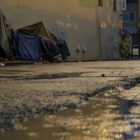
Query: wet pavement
pixel 111 116
pixel 72 101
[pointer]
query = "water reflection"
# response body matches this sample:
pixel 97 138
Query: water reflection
pixel 102 118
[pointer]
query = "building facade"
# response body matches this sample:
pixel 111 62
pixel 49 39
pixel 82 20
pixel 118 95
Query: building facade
pixel 90 27
pixel 131 19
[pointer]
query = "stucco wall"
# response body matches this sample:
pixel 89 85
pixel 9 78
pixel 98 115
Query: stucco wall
pixel 77 21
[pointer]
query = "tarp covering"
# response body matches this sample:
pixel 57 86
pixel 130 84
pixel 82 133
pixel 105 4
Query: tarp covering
pixel 4 42
pixel 63 48
pixel 38 29
pixel 52 45
pixel 50 50
pixel 27 48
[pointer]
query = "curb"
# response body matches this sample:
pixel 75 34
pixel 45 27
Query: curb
pixel 15 63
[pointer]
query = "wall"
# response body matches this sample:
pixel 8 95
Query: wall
pixel 76 21
pixel 139 14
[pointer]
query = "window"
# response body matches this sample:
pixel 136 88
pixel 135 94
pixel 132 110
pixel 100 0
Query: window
pixel 125 16
pixel 100 2
pixel 132 16
pixel 128 16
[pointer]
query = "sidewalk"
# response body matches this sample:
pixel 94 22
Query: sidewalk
pixel 14 63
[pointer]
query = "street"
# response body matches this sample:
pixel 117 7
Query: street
pixel 96 100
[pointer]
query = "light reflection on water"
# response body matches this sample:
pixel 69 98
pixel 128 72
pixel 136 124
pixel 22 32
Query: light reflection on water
pixel 102 118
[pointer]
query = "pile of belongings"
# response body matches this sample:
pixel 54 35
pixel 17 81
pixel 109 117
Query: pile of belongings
pixel 125 46
pixel 31 43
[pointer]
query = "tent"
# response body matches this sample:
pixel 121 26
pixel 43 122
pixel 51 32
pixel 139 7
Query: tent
pixel 37 29
pixel 48 46
pixel 51 45
pixel 5 49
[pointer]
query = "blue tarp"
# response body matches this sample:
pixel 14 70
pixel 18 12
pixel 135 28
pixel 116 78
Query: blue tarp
pixel 30 47
pixel 27 48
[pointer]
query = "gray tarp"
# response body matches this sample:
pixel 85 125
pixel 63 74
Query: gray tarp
pixel 4 43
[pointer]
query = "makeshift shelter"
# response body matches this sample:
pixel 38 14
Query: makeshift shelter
pixel 27 48
pixel 51 45
pixel 31 42
pixel 5 49
pixel 37 29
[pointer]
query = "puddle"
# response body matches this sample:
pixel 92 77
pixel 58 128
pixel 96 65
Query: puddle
pixel 46 76
pixel 55 76
pixel 102 118
pixel 113 68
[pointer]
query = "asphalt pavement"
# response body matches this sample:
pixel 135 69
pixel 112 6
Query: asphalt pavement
pixel 27 91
